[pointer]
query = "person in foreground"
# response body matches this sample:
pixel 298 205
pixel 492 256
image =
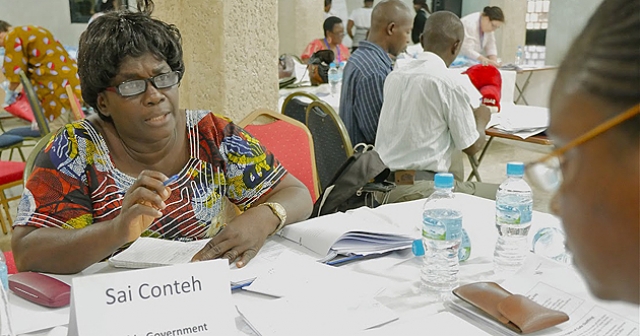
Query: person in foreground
pixel 366 71
pixel 99 183
pixel 333 34
pixel 599 197
pixel 427 116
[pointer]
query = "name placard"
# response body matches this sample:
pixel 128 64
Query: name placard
pixel 186 299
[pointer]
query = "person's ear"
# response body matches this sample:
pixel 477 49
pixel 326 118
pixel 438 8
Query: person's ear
pixel 390 27
pixel 102 105
pixel 455 47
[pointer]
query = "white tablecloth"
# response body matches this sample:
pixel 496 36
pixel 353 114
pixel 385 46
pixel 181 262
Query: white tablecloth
pixel 403 296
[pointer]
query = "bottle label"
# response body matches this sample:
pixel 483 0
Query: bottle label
pixel 513 214
pixel 442 224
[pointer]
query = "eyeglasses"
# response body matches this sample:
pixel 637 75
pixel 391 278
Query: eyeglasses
pixel 135 87
pixel 546 173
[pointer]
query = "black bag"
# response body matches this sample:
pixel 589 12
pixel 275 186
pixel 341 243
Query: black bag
pixel 319 66
pixel 355 183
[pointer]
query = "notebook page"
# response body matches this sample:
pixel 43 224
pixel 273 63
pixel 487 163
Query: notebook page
pixel 150 252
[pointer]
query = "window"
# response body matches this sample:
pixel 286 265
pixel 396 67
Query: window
pixel 537 19
pixel 82 10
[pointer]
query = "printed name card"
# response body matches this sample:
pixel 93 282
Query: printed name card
pixel 184 299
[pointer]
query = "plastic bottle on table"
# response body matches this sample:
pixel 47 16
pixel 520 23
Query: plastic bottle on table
pixel 548 242
pixel 441 236
pixel 334 78
pixel 514 202
pixel 4 275
pixel 519 56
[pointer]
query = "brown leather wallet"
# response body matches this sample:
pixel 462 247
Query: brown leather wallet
pixel 515 312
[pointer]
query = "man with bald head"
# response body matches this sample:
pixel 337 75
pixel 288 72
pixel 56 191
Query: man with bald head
pixel 368 67
pixel 427 115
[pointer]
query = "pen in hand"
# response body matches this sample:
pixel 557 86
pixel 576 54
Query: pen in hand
pixel 171 180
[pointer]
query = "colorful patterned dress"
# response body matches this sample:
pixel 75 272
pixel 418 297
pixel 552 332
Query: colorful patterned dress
pixel 34 50
pixel 341 53
pixel 75 184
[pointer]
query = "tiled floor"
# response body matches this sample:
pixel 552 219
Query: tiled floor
pixel 492 170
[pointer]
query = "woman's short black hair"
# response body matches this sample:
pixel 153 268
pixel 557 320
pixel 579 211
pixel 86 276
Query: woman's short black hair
pixel 117 35
pixel 4 26
pixel 494 13
pixel 329 23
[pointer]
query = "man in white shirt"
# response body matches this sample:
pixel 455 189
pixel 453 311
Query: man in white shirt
pixel 427 116
pixel 360 19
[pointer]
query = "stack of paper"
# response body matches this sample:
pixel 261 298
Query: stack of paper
pixel 522 121
pixel 314 299
pixel 360 231
pixel 153 252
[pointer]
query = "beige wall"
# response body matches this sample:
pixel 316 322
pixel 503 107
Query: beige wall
pixel 230 53
pixel 514 31
pixel 299 22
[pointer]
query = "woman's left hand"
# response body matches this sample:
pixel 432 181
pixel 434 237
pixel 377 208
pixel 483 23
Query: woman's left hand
pixel 241 238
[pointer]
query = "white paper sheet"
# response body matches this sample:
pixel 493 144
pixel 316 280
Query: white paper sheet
pixel 439 324
pixel 151 252
pixel 293 275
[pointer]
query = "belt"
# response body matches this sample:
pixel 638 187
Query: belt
pixel 408 177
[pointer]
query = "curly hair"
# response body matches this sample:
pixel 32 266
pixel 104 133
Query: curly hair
pixel 117 35
pixel 604 60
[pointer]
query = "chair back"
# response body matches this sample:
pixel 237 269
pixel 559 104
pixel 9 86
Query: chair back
pixel 290 142
pixel 295 105
pixel 31 159
pixel 38 113
pixel 331 140
pixel 76 109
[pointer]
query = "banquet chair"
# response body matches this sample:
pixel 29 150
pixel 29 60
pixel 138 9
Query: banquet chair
pixel 43 126
pixel 76 108
pixel 31 159
pixel 10 176
pixel 295 105
pixel 289 141
pixel 331 140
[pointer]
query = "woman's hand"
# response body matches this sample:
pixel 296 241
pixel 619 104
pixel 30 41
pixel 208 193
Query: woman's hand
pixel 142 204
pixel 241 238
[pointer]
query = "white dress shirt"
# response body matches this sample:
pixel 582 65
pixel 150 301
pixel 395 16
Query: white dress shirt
pixel 361 18
pixel 426 115
pixel 474 45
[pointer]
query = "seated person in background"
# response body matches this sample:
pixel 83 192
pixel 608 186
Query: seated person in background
pixel 599 198
pixel 46 63
pixel 427 116
pixel 333 34
pixel 98 184
pixel 360 19
pixel 479 40
pixel 364 75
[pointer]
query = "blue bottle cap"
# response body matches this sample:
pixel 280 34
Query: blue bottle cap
pixel 515 169
pixel 342 64
pixel 332 65
pixel 443 180
pixel 417 248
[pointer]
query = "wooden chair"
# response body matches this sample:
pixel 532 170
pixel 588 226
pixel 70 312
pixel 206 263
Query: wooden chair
pixel 10 176
pixel 290 142
pixel 331 140
pixel 295 107
pixel 76 108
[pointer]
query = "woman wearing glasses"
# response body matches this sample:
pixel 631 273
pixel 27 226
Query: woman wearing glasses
pixel 479 40
pixel 594 108
pixel 333 34
pixel 101 183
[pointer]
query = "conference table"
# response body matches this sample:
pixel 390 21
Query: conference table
pixel 403 294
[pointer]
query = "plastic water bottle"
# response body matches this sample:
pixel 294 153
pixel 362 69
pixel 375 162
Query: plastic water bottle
pixel 341 70
pixel 334 78
pixel 549 242
pixel 4 275
pixel 519 56
pixel 441 236
pixel 514 203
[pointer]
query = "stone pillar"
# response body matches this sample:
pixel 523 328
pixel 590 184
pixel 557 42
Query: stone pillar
pixel 230 53
pixel 299 22
pixel 514 31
